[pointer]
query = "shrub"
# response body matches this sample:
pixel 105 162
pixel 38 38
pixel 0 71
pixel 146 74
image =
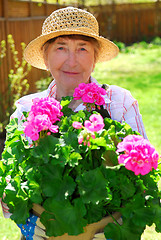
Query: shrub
pixel 2 49
pixel 156 41
pixel 43 83
pixel 17 82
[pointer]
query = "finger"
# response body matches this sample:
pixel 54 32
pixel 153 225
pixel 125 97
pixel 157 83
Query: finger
pixel 120 221
pixel 37 238
pixel 100 239
pixel 99 236
pixel 39 224
pixel 36 221
pixel 39 232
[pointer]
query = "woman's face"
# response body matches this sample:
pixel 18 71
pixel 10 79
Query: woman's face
pixel 70 61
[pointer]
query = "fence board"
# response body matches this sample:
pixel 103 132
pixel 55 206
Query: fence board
pixel 1 14
pixel 18 9
pixel 38 10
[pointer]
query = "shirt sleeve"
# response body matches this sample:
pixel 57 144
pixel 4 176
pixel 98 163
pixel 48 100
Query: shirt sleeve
pixel 133 117
pixel 123 107
pixel 24 104
pixel 5 209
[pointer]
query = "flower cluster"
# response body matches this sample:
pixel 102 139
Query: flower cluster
pixel 94 124
pixel 44 113
pixel 139 155
pixel 90 93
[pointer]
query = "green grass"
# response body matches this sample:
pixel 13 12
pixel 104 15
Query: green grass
pixel 8 229
pixel 140 72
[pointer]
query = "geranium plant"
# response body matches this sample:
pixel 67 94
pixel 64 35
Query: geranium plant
pixel 80 168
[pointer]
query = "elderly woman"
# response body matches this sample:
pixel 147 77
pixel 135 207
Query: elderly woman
pixel 69 48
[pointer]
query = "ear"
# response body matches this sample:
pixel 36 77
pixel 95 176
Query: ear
pixel 46 61
pixel 94 64
pixel 45 56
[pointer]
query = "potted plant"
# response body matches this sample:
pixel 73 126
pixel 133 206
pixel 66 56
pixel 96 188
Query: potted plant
pixel 80 168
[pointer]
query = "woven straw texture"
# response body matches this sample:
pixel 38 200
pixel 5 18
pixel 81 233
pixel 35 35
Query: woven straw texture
pixel 68 21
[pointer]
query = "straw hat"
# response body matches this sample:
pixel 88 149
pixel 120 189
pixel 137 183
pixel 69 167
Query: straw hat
pixel 68 21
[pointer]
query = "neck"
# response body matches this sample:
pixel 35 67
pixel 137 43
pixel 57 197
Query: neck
pixel 63 93
pixel 73 104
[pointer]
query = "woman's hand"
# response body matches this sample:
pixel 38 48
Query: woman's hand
pixel 33 229
pixel 100 236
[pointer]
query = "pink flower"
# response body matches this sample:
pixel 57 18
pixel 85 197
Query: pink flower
pixel 77 125
pixel 99 100
pixel 90 93
pixel 80 139
pixel 54 128
pixel 43 114
pixel 85 136
pixel 139 155
pixel 78 93
pixel 31 132
pixel 88 97
pixel 95 124
pixel 41 122
pixel 48 106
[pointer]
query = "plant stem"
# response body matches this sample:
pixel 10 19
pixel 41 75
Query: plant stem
pixel 113 218
pixel 90 157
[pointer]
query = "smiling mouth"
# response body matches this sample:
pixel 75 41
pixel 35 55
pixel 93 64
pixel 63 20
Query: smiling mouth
pixel 71 73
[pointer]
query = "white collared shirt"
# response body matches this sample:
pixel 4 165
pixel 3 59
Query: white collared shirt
pixel 118 101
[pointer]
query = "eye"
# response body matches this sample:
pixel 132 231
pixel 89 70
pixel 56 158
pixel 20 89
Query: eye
pixel 83 49
pixel 60 48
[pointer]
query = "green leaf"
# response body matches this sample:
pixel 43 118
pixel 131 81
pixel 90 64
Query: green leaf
pixel 123 232
pixel 127 187
pixel 156 220
pixel 99 142
pixel 54 184
pixel 35 192
pixel 65 104
pixel 18 151
pixel 21 211
pixel 67 218
pixel 92 186
pixel 12 126
pixel 18 205
pixel 71 139
pixel 2 168
pixel 63 188
pixel 63 155
pixel 95 212
pixel 74 159
pixel 46 147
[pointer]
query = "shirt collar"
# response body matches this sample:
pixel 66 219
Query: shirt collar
pixel 51 91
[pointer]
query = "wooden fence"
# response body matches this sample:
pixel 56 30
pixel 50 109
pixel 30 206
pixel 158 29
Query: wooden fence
pixel 124 22
pixel 129 23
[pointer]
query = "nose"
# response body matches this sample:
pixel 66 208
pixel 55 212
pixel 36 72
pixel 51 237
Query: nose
pixel 72 59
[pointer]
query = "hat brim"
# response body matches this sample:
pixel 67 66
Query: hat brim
pixel 33 53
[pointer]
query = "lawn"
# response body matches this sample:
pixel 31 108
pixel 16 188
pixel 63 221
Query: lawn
pixel 139 71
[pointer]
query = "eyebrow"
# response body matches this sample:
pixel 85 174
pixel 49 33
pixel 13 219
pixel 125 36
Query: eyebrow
pixel 61 43
pixel 64 43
